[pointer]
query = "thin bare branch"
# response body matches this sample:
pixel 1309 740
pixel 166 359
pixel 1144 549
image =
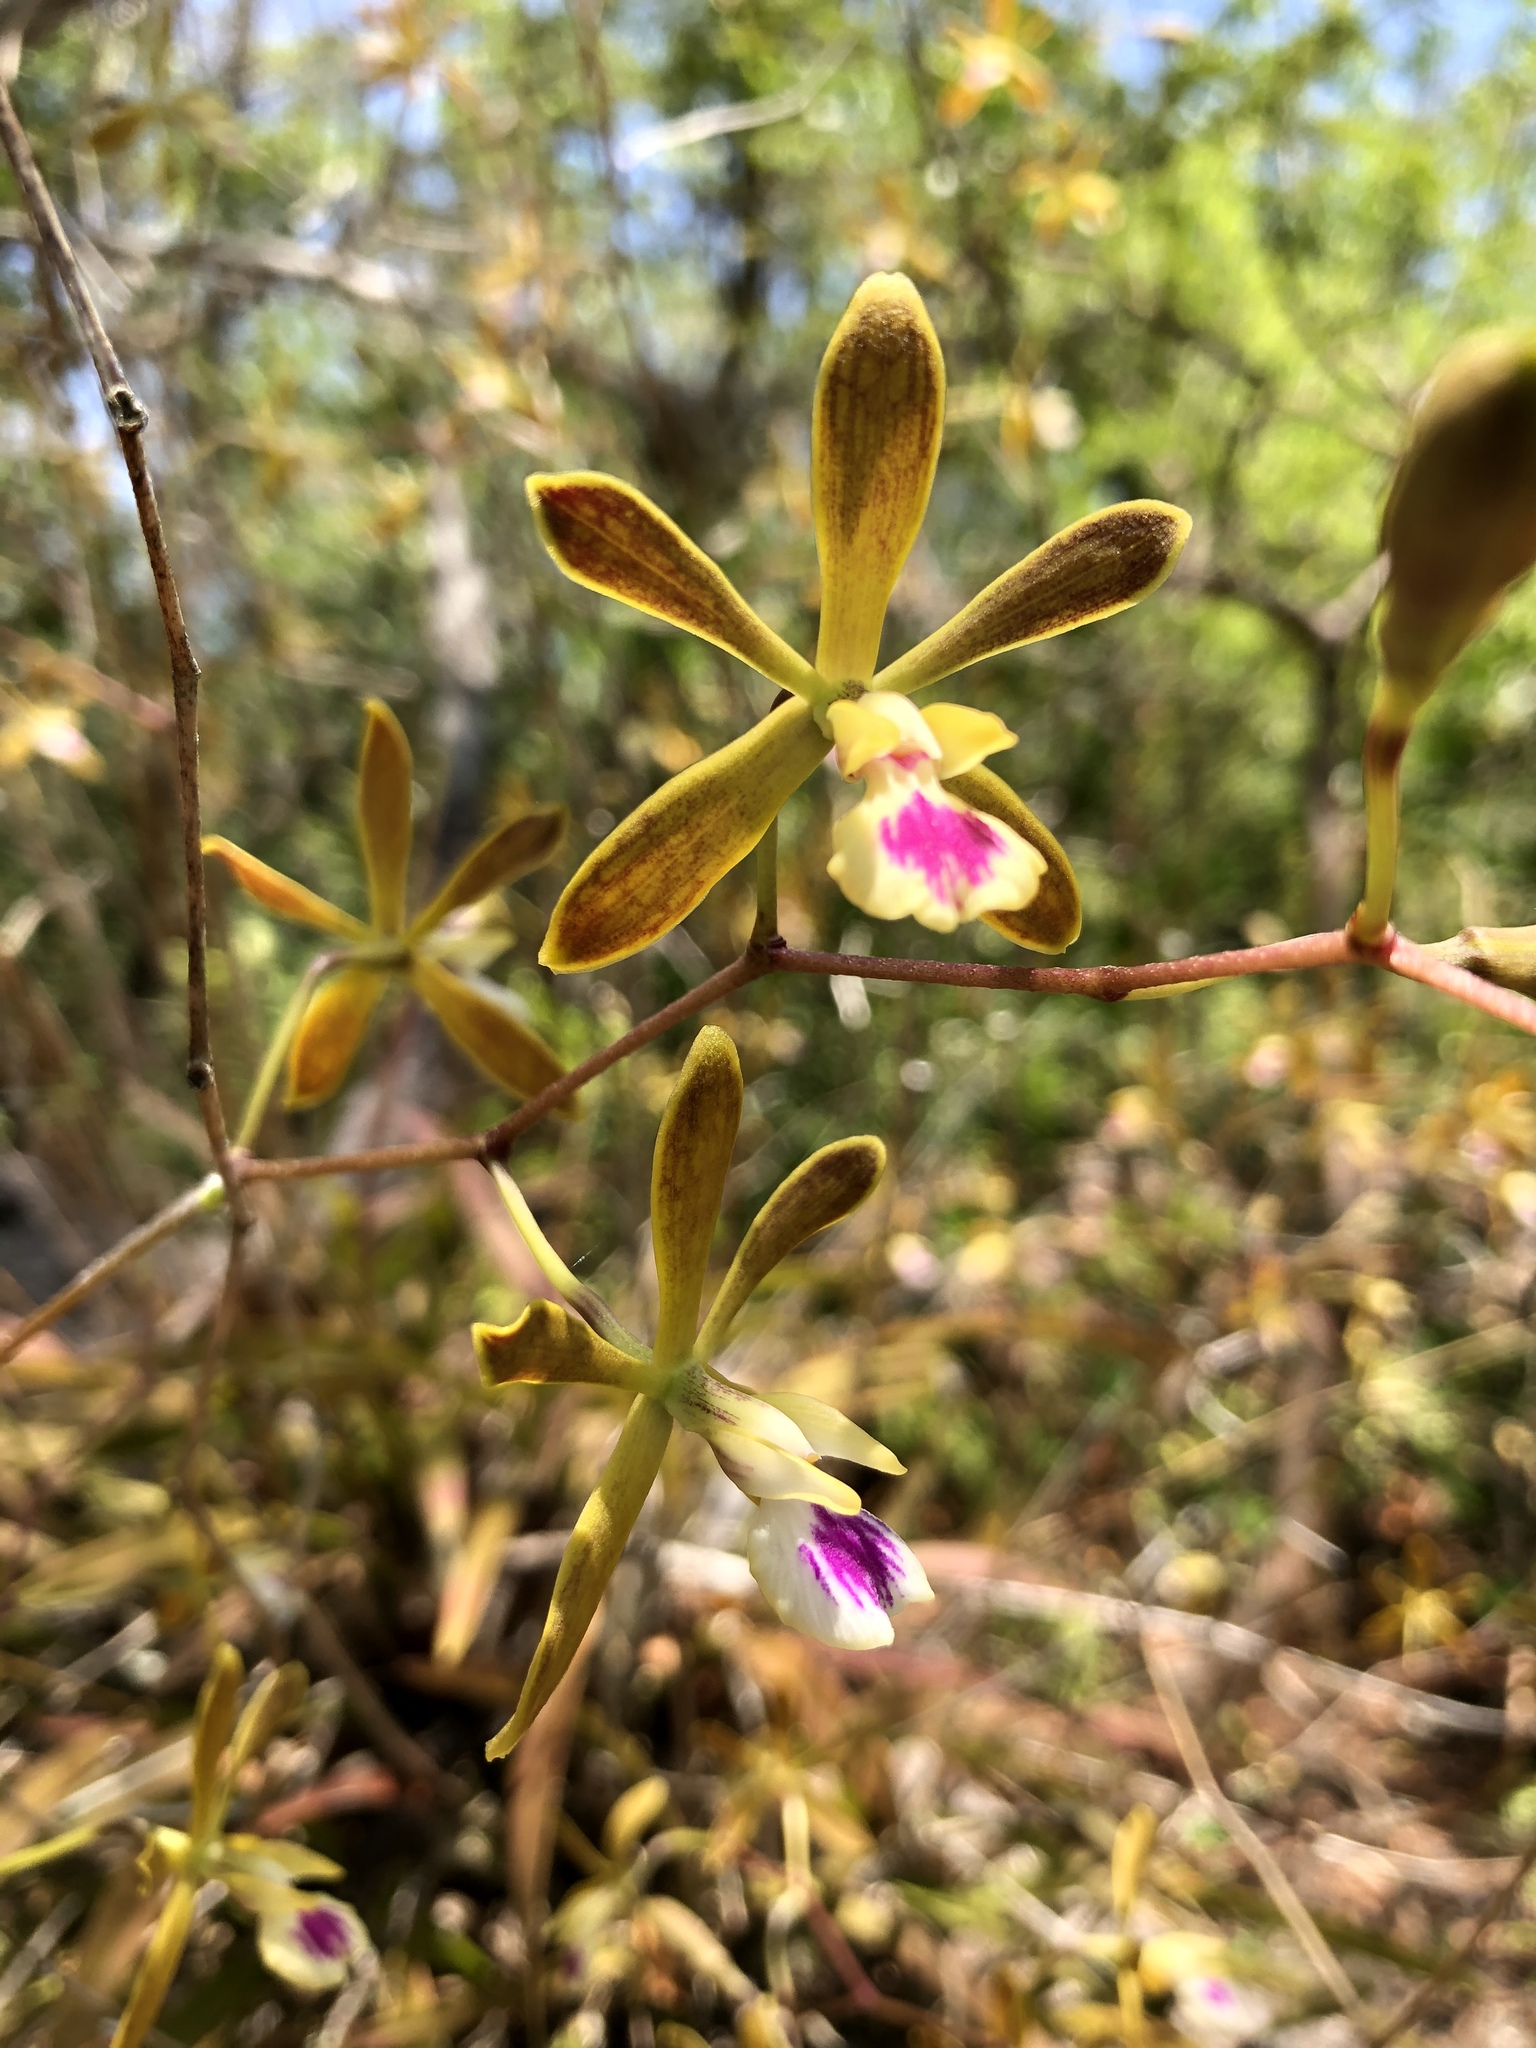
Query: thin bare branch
pixel 201 1200
pixel 129 420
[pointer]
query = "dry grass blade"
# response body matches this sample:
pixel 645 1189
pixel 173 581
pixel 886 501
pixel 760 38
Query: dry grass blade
pixel 1282 1892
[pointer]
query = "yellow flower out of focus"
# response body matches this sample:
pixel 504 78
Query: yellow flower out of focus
pixel 998 57
pixel 825 1564
pixel 876 427
pixel 435 953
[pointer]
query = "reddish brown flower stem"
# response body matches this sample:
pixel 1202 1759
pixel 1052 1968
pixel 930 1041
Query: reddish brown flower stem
pixel 497 1141
pixel 1100 984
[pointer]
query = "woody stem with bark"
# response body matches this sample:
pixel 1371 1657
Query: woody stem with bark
pixel 129 419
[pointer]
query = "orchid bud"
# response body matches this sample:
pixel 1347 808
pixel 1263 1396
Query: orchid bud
pixel 1504 955
pixel 1460 523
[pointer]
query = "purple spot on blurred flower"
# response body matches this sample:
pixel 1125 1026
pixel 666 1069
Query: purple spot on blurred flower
pixel 950 849
pixel 853 1558
pixel 1218 1992
pixel 323 1932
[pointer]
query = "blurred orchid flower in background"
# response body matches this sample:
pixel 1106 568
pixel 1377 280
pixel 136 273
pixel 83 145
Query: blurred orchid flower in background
pixel 997 56
pixel 439 960
pixel 825 1565
pixel 308 1939
pixel 876 428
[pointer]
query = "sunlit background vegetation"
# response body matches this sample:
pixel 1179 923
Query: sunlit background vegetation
pixel 1223 1303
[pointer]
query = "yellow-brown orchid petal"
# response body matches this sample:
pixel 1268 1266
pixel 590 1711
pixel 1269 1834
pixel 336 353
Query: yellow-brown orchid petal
pixel 514 848
pixel 692 1157
pixel 330 1032
pixel 875 433
pixel 829 1185
pixel 1133 1843
pixel 1054 917
pixel 591 1307
pixel 1088 571
pixel 609 536
pixel 157 1972
pixel 384 815
pixel 278 1861
pixel 216 1707
pixel 831 1435
pixel 278 894
pixel 666 856
pixel 597 1542
pixel 483 1022
pixel 548 1346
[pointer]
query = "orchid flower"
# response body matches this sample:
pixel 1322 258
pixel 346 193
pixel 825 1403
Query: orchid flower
pixel 825 1565
pixel 995 56
pixel 439 961
pixel 308 1939
pixel 876 427
pixel 1185 1972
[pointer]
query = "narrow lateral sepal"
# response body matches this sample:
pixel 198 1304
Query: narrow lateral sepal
pixel 668 854
pixel 597 1543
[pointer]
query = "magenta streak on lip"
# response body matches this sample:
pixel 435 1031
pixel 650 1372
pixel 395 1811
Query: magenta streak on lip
pixel 951 849
pixel 323 1931
pixel 853 1558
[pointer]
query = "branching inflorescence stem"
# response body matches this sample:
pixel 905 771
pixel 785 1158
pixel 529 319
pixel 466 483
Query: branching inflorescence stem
pixel 1099 984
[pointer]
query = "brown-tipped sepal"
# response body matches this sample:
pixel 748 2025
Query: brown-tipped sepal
pixel 666 856
pixel 384 815
pixel 513 849
pixel 692 1158
pixel 875 434
pixel 597 1543
pixel 1088 571
pixel 610 537
pixel 483 1022
pixel 283 897
pixel 330 1032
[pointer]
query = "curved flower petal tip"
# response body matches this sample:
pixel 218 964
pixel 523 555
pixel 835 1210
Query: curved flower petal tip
pixel 311 1941
pixel 838 1578
pixel 1053 917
